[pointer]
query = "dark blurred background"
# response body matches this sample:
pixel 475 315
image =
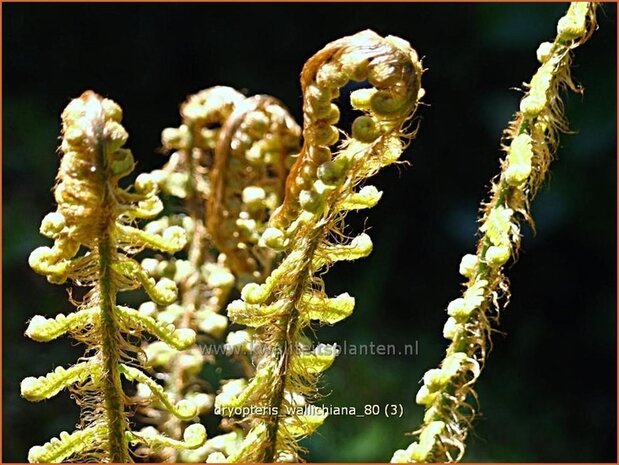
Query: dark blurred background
pixel 549 390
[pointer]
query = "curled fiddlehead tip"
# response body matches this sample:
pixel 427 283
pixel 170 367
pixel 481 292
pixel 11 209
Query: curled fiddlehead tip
pixel 193 144
pixel 252 159
pixel 393 71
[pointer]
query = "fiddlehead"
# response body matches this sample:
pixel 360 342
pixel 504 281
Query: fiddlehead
pixel 203 281
pixel 241 149
pixel 95 215
pixel 530 143
pixel 253 157
pixel 307 229
pixel 193 145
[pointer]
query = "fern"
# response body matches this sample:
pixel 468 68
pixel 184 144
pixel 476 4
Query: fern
pixel 252 160
pixel 225 152
pixel 93 242
pixel 308 229
pixel 530 141
pixel 204 283
pixel 261 212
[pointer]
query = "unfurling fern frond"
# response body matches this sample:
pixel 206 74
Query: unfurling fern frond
pixel 95 237
pixel 204 282
pixel 231 158
pixel 530 143
pixel 307 229
pixel 252 160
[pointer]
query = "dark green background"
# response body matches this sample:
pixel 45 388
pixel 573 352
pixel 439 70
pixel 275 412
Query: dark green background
pixel 549 390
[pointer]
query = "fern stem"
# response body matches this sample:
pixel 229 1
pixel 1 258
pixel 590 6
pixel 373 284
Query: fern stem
pixel 290 336
pixel 112 393
pixel 110 354
pixel 109 329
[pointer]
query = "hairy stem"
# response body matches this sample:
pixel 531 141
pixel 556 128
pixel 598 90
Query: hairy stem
pixel 287 341
pixel 110 332
pixel 110 353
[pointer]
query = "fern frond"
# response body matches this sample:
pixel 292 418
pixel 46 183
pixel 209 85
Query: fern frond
pixel 530 143
pixel 180 338
pixel 321 187
pixel 67 445
pixel 232 156
pixel 252 159
pixel 193 437
pixel 94 215
pixel 203 280
pixel 44 387
pixel 43 329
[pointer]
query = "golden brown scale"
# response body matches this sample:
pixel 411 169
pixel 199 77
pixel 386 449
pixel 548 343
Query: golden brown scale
pixel 252 157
